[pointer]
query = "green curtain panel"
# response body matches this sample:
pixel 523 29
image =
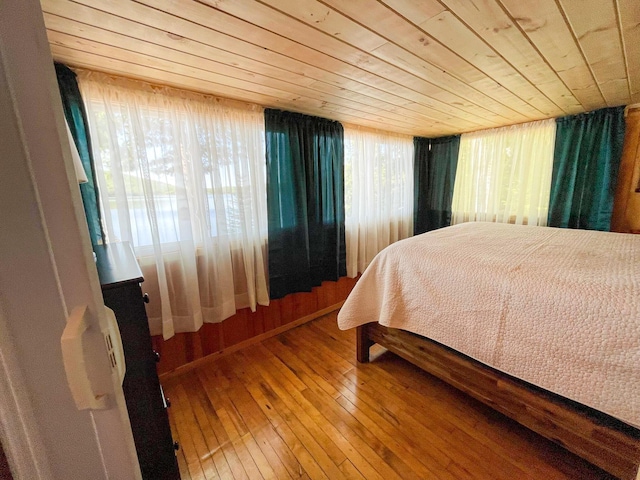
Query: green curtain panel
pixel 435 163
pixel 305 200
pixel 586 160
pixel 76 116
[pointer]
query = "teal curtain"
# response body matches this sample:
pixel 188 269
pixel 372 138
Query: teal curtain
pixel 76 116
pixel 305 200
pixel 586 160
pixel 435 163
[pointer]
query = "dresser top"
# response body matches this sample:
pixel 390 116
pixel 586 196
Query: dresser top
pixel 116 264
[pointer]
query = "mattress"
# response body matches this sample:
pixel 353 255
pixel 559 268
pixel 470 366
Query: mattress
pixel 558 308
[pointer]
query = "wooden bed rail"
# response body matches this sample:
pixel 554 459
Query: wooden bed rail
pixel 600 439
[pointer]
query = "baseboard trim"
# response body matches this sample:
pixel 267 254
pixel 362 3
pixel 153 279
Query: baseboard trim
pixel 247 343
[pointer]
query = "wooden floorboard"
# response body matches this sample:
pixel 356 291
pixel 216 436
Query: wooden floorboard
pixel 299 406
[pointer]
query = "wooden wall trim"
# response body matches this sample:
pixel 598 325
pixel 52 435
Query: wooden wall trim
pixel 626 204
pixel 247 327
pixel 248 342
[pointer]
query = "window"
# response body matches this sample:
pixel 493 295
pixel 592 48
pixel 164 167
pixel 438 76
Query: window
pixel 378 193
pixel 183 179
pixel 504 174
pixel 145 171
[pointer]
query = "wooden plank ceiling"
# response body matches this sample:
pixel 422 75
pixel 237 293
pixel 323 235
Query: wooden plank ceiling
pixel 421 67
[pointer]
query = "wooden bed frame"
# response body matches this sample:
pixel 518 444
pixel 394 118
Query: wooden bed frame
pixel 600 439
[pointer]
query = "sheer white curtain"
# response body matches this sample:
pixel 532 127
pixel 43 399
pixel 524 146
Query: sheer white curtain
pixel 183 179
pixel 378 193
pixel 504 174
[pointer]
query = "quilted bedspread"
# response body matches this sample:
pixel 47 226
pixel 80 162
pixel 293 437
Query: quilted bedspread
pixel 558 308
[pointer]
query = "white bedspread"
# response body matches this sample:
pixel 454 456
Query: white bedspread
pixel 558 308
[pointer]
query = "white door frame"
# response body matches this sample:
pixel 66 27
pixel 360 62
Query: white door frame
pixel 46 269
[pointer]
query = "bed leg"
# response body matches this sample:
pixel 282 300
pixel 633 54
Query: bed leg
pixel 363 343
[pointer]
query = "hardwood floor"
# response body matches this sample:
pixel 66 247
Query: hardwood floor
pixel 299 406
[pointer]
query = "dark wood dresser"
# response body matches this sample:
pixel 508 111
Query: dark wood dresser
pixel 120 277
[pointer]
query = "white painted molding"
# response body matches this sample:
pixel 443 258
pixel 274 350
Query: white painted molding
pixel 19 432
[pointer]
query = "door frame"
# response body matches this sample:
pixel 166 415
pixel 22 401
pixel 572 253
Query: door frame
pixel 46 270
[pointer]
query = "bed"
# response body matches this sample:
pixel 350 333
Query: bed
pixel 542 324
